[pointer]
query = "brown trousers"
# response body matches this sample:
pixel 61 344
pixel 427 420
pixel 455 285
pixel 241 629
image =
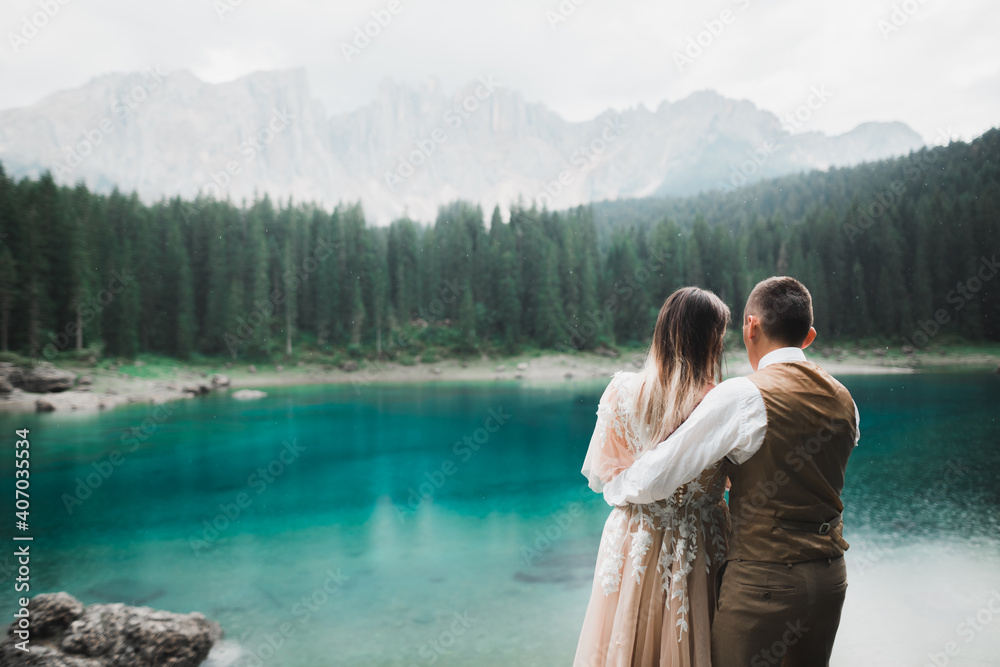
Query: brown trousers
pixel 778 614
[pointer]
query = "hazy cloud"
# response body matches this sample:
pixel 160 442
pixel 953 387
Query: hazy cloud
pixel 928 63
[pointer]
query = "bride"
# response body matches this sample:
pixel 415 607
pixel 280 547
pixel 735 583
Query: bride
pixel 655 584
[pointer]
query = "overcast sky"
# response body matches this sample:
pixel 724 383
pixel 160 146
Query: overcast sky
pixel 934 65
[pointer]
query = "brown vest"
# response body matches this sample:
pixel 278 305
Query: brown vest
pixel 785 499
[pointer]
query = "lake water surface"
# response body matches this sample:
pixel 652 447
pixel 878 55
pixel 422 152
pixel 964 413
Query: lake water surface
pixel 450 525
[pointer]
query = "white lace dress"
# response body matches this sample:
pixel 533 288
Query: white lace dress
pixel 654 586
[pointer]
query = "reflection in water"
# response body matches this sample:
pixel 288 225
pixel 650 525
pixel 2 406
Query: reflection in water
pixel 415 527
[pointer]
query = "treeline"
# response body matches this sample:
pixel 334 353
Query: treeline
pixel 899 250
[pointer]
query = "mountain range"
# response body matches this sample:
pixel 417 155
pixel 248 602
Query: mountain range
pixel 411 149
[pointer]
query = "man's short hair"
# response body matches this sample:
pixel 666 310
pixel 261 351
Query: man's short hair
pixel 785 309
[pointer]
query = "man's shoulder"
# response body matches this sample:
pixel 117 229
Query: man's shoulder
pixel 792 375
pixel 802 367
pixel 827 376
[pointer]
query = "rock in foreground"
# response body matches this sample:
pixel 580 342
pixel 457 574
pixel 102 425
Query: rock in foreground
pixel 64 633
pixel 248 394
pixel 45 378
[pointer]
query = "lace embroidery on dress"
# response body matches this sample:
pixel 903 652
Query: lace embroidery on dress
pixel 612 545
pixel 694 514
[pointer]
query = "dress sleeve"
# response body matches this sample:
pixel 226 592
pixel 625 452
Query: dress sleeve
pixel 608 453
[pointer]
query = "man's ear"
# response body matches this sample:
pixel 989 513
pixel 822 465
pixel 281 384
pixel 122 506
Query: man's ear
pixel 810 337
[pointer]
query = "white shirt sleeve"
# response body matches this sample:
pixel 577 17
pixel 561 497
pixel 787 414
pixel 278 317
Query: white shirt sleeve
pixel 857 425
pixel 730 421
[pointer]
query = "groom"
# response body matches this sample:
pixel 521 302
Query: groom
pixel 789 428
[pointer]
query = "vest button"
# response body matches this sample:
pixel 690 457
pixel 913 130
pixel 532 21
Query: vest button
pixel 767 596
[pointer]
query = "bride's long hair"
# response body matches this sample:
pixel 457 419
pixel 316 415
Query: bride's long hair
pixel 684 358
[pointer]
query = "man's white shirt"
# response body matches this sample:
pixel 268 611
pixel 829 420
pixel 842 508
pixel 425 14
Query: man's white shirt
pixel 729 422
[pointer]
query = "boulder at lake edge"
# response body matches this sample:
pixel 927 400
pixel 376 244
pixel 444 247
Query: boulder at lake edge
pixel 248 394
pixel 64 633
pixel 45 378
pixel 40 379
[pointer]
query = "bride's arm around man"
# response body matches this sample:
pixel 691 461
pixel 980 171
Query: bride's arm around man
pixel 789 428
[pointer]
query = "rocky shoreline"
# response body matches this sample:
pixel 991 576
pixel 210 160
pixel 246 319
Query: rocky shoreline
pixel 46 388
pixel 62 632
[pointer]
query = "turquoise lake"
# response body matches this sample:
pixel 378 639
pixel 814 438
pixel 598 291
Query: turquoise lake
pixel 450 525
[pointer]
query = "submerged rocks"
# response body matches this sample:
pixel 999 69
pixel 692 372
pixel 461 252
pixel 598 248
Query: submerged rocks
pixel 67 634
pixel 41 405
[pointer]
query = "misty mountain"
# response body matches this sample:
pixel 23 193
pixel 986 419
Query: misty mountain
pixel 410 149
